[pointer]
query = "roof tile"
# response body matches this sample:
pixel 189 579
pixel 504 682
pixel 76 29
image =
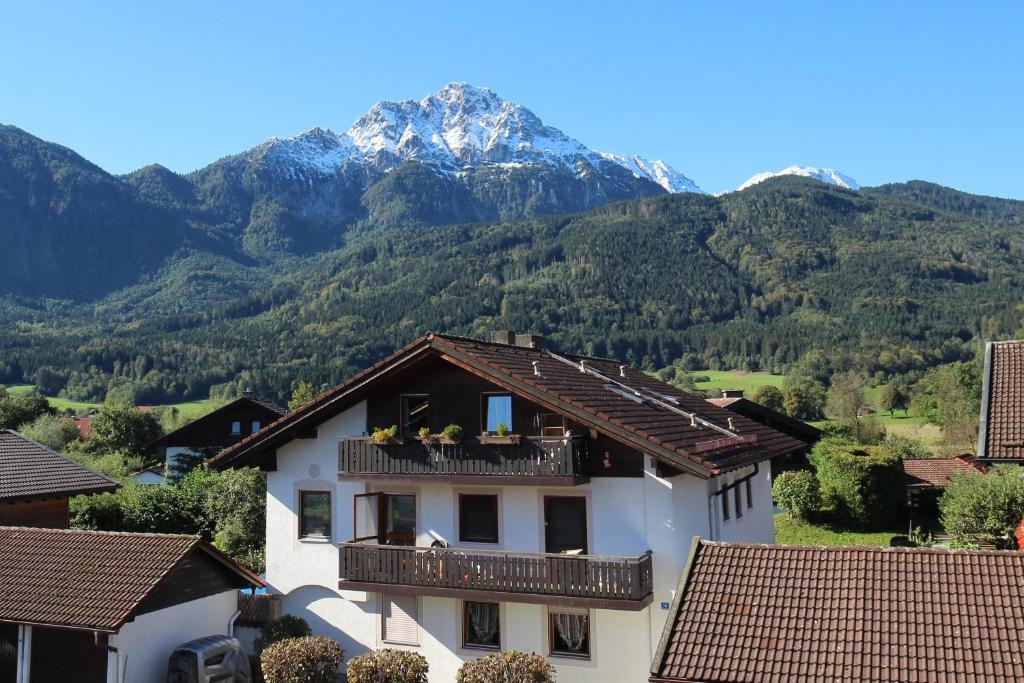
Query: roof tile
pixel 31 470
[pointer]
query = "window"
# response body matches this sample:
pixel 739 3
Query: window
pixel 569 633
pixel 314 514
pixel 724 495
pixel 415 414
pixel 236 427
pixel 552 424
pixel 478 518
pixel 750 495
pixel 739 501
pixel 256 426
pixel 398 617
pixel 481 625
pixel 497 410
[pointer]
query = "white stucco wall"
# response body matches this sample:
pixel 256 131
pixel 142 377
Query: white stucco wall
pixel 145 644
pixel 757 524
pixel 627 516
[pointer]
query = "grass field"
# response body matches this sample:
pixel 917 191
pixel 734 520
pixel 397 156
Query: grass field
pixel 749 382
pixel 190 409
pixel 791 533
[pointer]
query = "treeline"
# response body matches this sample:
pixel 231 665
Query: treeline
pixel 888 282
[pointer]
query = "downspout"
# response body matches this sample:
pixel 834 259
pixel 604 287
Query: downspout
pixel 24 656
pixel 231 623
pixel 100 641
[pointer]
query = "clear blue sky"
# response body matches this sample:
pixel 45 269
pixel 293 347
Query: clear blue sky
pixel 883 91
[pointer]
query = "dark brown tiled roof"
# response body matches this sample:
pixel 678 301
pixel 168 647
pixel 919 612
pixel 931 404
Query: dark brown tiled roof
pixel 88 579
pixel 31 470
pixel 661 432
pixel 765 613
pixel 1002 410
pixel 798 429
pixel 936 473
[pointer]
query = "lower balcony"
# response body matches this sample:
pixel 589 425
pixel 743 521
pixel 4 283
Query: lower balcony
pixel 620 583
pixel 533 461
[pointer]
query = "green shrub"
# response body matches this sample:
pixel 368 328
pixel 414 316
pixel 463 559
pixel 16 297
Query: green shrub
pixel 388 666
pixel 313 659
pixel 502 429
pixel 980 509
pixel 453 432
pixel 798 493
pixel 507 667
pixel 282 628
pixel 863 485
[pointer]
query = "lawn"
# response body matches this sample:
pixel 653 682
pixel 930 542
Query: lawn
pixel 749 382
pixel 190 409
pixel 789 533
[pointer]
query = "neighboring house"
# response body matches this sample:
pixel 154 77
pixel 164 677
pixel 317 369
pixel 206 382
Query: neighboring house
pixel 101 607
pixel 150 476
pixel 219 429
pixel 1001 430
pixel 734 400
pixel 36 483
pixel 566 539
pixel 746 613
pixel 927 478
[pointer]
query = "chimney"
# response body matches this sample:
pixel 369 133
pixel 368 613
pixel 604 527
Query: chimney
pixel 503 337
pixel 732 393
pixel 530 341
pixel 247 393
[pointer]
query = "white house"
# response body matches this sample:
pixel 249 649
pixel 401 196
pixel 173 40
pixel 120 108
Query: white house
pixel 559 524
pixel 100 607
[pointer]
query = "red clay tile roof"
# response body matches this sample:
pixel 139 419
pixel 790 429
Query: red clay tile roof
pixel 31 470
pixel 1002 402
pixel 784 613
pixel 936 473
pixel 667 435
pixel 88 579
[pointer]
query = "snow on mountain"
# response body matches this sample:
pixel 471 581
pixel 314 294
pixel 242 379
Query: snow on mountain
pixel 826 175
pixel 457 128
pixel 657 170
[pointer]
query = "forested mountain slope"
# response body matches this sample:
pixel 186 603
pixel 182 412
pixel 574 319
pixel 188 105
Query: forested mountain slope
pixel 890 279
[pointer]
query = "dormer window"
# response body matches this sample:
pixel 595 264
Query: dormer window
pixel 497 409
pixel 256 426
pixel 415 413
pixel 236 427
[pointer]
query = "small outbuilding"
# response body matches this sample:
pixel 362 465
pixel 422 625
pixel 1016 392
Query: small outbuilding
pixel 102 607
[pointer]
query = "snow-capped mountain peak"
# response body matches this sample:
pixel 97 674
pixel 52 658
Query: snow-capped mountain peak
pixel 458 127
pixel 828 176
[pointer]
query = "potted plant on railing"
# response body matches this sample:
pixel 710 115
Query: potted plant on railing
pixel 426 437
pixel 502 435
pixel 452 434
pixel 385 436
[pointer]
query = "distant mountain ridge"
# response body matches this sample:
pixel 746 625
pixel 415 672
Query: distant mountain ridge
pixel 828 176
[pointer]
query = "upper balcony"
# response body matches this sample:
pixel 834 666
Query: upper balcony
pixel 538 461
pixel 620 583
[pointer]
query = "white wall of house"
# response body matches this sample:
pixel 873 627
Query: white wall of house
pixel 627 516
pixel 145 644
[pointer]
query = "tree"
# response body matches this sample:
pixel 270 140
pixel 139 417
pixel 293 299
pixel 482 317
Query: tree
pixel 893 398
pixel 16 411
pixel 121 427
pixel 301 395
pixel 51 431
pixel 770 397
pixel 845 398
pixel 803 399
pixel 950 396
pixel 977 509
pixel 798 493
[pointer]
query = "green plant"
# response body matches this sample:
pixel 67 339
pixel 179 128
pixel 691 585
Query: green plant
pixel 384 435
pixel 863 485
pixel 503 429
pixel 507 667
pixel 388 666
pixel 312 659
pixel 282 628
pixel 798 493
pixel 978 509
pixel 922 538
pixel 452 432
pixel 425 434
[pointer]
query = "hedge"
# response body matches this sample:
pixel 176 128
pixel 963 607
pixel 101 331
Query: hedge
pixel 863 485
pixel 313 659
pixel 388 666
pixel 507 667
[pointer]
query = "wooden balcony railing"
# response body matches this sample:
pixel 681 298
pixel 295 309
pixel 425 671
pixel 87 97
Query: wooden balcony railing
pixel 624 583
pixel 559 460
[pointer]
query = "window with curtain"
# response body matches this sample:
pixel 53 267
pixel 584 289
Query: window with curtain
pixel 569 633
pixel 481 625
pixel 497 410
pixel 314 514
